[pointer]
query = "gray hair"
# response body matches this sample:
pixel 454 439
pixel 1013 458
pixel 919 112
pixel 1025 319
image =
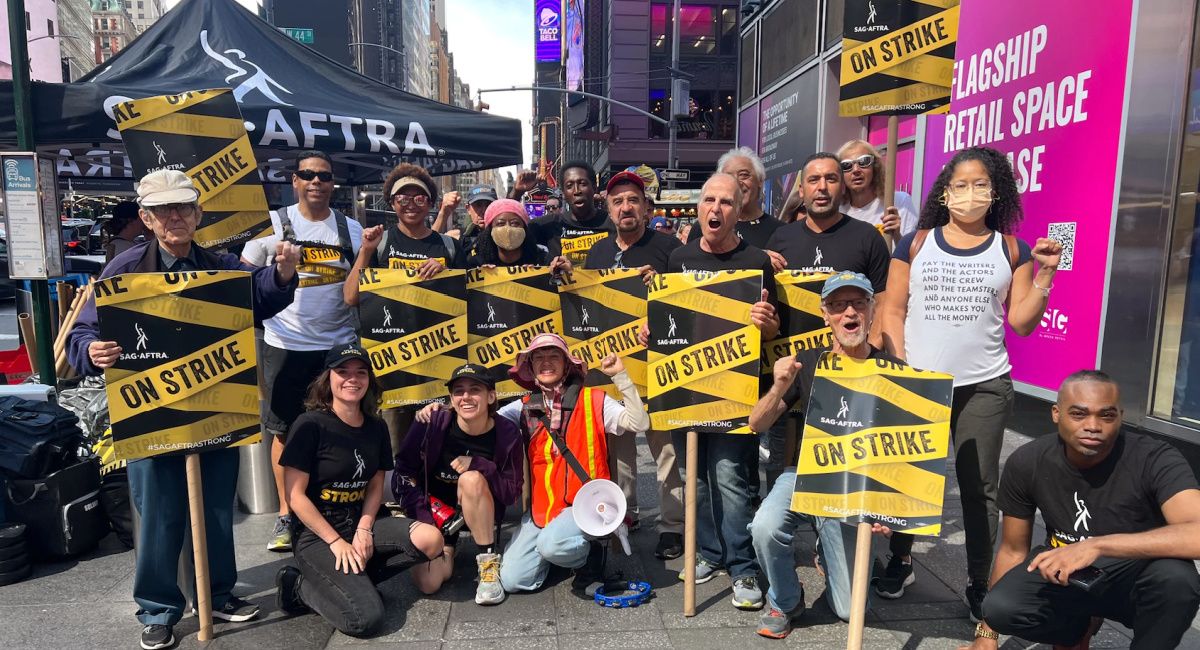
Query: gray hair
pixel 737 188
pixel 760 172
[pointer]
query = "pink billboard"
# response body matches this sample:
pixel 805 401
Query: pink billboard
pixel 1046 86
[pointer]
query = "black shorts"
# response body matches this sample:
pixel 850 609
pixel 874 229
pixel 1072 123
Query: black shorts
pixel 286 377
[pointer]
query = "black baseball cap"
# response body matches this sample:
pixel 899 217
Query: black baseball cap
pixel 472 371
pixel 481 193
pixel 344 353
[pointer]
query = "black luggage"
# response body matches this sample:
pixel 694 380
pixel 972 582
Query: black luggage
pixel 62 511
pixel 36 438
pixel 15 563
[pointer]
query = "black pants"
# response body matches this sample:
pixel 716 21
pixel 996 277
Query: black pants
pixel 977 420
pixel 1157 599
pixel 350 602
pixel 286 378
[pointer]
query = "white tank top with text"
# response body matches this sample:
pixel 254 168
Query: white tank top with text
pixel 955 320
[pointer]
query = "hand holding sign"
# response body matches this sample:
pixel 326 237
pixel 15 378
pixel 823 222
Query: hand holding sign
pixel 104 353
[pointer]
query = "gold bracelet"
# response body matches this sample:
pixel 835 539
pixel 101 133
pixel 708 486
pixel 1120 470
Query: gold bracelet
pixel 984 633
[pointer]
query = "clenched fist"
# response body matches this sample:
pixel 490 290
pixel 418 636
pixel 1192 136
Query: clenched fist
pixel 287 258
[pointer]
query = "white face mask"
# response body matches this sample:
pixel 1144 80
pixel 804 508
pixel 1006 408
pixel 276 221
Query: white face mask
pixel 970 205
pixel 509 238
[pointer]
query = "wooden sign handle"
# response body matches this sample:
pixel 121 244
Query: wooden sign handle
pixel 689 525
pixel 858 591
pixel 199 548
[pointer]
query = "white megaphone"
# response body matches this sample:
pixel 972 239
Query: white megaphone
pixel 599 509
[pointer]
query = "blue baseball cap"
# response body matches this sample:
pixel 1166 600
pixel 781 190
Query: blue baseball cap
pixel 481 193
pixel 843 279
pixel 657 222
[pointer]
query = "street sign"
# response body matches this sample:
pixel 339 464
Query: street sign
pixel 299 34
pixel 31 221
pixel 675 174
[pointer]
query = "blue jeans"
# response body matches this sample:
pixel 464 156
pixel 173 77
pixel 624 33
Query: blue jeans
pixel 159 490
pixel 726 464
pixel 774 527
pixel 528 557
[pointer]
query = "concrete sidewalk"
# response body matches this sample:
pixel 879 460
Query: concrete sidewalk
pixel 87 603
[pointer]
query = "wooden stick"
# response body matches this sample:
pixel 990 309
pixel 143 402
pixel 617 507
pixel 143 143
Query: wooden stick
pixel 889 179
pixel 858 591
pixel 689 525
pixel 25 323
pixel 60 343
pixel 64 299
pixel 200 547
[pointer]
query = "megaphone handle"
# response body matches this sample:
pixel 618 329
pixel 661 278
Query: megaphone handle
pixel 623 535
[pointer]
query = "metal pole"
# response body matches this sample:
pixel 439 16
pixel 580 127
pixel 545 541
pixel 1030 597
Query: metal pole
pixel 673 143
pixel 23 111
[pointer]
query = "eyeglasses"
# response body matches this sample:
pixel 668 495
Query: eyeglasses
pixel 553 206
pixel 419 200
pixel 164 211
pixel 839 306
pixel 308 175
pixel 981 187
pixel 864 162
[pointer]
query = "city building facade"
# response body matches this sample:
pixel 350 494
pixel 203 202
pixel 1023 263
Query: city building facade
pixel 112 27
pixel 77 38
pixel 41 31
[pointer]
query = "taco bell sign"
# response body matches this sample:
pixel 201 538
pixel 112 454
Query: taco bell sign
pixel 548 25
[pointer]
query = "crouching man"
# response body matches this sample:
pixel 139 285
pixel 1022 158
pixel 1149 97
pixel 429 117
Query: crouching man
pixel 1122 517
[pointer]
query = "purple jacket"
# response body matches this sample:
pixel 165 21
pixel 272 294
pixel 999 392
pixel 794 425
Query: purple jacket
pixel 422 448
pixel 269 297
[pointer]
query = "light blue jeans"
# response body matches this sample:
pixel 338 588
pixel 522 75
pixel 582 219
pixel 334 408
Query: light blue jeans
pixel 772 530
pixel 528 557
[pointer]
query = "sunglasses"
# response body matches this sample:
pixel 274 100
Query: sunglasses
pixel 864 161
pixel 419 200
pixel 308 175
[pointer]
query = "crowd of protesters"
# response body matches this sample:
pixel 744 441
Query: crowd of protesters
pixel 1121 511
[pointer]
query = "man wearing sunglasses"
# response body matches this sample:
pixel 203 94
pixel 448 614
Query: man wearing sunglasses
pixel 169 208
pixel 863 198
pixel 297 339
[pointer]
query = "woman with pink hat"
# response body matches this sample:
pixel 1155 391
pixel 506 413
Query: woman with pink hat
pixel 505 239
pixel 567 425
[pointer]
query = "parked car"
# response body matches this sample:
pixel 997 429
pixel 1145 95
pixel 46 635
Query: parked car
pixel 75 239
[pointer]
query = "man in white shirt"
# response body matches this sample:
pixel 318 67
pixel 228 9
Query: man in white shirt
pixel 296 340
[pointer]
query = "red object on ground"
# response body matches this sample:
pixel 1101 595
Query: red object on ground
pixel 15 365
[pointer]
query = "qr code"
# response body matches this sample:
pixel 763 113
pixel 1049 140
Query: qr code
pixel 1064 233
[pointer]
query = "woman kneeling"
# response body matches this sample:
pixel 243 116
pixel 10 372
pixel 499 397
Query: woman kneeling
pixel 335 460
pixel 465 464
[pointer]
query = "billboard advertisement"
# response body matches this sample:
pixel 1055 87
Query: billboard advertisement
pixel 574 26
pixel 548 27
pixel 1047 89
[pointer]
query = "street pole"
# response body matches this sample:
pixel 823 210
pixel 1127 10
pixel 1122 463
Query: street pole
pixel 673 143
pixel 23 111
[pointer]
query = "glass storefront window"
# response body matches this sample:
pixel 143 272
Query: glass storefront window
pixel 1177 394
pixel 711 115
pixel 703 30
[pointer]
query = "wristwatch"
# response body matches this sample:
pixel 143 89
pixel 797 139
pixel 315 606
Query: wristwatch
pixel 983 633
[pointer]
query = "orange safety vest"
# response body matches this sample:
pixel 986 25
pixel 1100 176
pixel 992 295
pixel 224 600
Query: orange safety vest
pixel 553 484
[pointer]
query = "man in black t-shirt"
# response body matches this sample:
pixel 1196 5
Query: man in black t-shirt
pixel 1122 518
pixel 633 246
pixel 754 226
pixel 573 232
pixel 728 464
pixel 826 240
pixel 847 303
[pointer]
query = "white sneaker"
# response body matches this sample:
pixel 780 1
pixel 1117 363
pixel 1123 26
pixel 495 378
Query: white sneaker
pixel 489 591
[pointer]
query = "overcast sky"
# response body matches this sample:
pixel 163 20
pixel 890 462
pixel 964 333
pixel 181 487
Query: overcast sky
pixel 492 43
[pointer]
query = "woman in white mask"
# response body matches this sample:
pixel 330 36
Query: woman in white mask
pixel 952 286
pixel 505 239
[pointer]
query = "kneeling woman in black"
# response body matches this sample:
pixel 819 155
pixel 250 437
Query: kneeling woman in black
pixel 334 464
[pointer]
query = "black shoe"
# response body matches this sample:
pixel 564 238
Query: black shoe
pixel 670 546
pixel 157 636
pixel 897 576
pixel 236 610
pixel 590 577
pixel 287 591
pixel 976 591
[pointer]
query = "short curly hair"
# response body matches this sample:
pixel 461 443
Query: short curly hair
pixel 1003 216
pixel 416 171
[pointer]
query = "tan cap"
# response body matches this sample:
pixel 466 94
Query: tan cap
pixel 407 181
pixel 166 186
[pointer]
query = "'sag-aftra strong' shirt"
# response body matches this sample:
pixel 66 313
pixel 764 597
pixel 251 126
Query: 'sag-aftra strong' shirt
pixel 339 459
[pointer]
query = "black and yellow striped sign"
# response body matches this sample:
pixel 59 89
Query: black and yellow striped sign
pixel 897 57
pixel 506 308
pixel 801 323
pixel 186 380
pixel 602 313
pixel 703 362
pixel 414 330
pixel 875 441
pixel 201 133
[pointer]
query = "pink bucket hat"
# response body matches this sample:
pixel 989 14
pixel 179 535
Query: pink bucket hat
pixel 497 208
pixel 521 371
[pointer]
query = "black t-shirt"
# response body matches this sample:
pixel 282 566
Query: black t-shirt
pixel 1123 494
pixel 339 459
pixel 654 248
pixel 756 233
pixel 802 386
pixel 744 257
pixel 400 251
pixel 850 245
pixel 443 483
pixel 563 235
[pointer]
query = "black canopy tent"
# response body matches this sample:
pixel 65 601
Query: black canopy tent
pixel 291 98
